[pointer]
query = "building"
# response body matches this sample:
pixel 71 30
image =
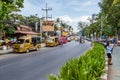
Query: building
pixel 23 30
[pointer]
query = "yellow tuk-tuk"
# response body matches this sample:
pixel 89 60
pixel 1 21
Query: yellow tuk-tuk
pixel 26 44
pixel 51 41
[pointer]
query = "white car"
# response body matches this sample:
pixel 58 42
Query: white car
pixel 68 39
pixel 77 38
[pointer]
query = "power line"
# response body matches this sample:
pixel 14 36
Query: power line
pixel 46 10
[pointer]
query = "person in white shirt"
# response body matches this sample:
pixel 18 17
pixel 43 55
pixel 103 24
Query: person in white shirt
pixel 112 46
pixel 109 51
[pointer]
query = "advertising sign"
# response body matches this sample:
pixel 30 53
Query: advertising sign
pixel 47 25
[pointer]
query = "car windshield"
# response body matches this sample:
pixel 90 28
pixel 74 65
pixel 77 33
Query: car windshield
pixel 20 41
pixel 49 40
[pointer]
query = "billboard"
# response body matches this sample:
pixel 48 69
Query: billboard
pixel 47 25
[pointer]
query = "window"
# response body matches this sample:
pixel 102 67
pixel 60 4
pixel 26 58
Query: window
pixel 20 41
pixel 56 39
pixel 27 41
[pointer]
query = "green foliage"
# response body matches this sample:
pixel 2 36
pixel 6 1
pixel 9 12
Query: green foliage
pixel 63 25
pixel 89 66
pixel 111 16
pixel 108 31
pixel 94 27
pixel 0 43
pixel 81 25
pixel 7 7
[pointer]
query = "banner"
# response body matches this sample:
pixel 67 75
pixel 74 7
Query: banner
pixel 47 26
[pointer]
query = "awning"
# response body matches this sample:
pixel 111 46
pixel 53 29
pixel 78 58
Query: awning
pixel 24 32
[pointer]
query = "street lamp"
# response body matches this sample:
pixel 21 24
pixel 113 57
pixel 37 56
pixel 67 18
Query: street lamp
pixel 41 26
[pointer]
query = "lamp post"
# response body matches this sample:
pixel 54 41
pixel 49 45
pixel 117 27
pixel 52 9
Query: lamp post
pixel 41 27
pixel 36 26
pixel 61 27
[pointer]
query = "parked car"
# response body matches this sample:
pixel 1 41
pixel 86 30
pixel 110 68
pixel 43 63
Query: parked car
pixel 77 38
pixel 89 39
pixel 51 41
pixel 68 39
pixel 62 38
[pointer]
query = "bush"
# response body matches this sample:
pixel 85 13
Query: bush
pixel 89 66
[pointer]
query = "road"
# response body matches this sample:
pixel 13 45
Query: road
pixel 37 65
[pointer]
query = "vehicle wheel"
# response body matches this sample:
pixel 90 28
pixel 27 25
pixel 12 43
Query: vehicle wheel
pixel 27 50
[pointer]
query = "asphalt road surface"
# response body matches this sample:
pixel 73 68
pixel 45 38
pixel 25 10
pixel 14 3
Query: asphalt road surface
pixel 37 65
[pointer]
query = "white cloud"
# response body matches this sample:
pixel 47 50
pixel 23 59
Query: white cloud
pixel 89 6
pixel 71 11
pixel 81 18
pixel 78 19
pixel 82 3
pixel 74 21
pixel 65 18
pixel 89 3
pixel 30 9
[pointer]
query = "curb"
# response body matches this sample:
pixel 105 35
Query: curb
pixel 6 51
pixel 11 49
pixel 105 75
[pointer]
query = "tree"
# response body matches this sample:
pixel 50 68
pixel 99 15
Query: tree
pixel 7 7
pixel 107 21
pixel 110 12
pixel 115 2
pixel 32 20
pixel 81 25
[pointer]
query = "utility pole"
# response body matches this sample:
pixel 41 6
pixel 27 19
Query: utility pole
pixel 101 25
pixel 41 27
pixel 46 10
pixel 46 17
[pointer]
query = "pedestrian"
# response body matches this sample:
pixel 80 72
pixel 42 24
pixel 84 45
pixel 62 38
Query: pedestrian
pixel 109 51
pixel 62 42
pixel 112 46
pixel 15 40
pixel 80 40
pixel 6 42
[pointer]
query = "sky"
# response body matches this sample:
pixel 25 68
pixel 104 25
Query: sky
pixel 70 11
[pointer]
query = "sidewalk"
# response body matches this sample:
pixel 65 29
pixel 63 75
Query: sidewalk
pixel 6 51
pixel 11 50
pixel 114 69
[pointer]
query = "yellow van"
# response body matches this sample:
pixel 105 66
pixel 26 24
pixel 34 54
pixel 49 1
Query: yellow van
pixel 26 44
pixel 51 41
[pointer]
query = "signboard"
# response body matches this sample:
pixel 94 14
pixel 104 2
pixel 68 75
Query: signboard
pixel 47 25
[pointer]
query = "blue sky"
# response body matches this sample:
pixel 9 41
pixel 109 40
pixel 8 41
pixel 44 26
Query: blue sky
pixel 71 11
